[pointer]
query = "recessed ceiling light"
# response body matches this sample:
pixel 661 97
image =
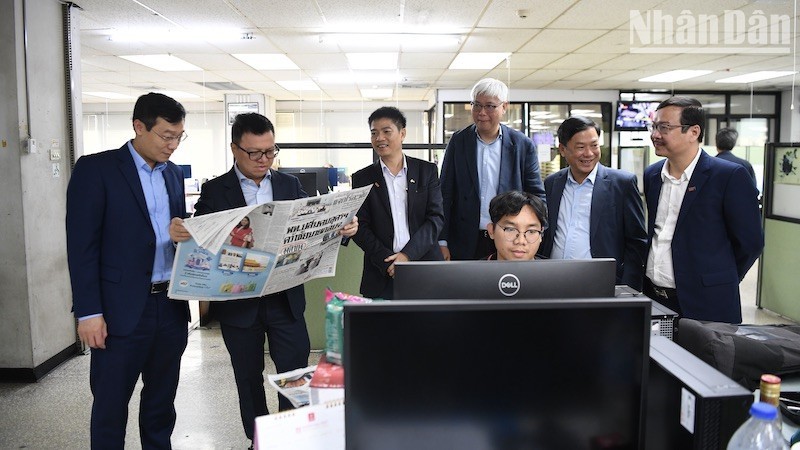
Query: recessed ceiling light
pixel 109 95
pixel 756 76
pixel 484 61
pixel 162 63
pixel 361 77
pixel 207 34
pixel 298 85
pixel 675 75
pixel 385 40
pixel 267 61
pixel 372 61
pixel 377 94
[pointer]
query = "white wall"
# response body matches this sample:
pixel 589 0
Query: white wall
pixel 790 119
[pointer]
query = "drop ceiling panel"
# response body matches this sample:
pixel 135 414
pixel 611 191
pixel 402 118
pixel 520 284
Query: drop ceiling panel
pixel 579 61
pixel 533 60
pixel 503 13
pixel 498 40
pixel 565 41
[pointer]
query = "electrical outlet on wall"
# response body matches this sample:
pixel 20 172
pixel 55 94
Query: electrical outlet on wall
pixel 55 150
pixel 31 146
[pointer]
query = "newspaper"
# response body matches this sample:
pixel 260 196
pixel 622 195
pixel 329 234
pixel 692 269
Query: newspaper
pixel 258 250
pixel 294 385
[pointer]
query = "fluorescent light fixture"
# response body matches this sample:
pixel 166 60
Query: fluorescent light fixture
pixel 407 40
pixel 361 77
pixel 176 94
pixel 377 94
pixel 756 76
pixel 162 63
pixel 484 61
pixel 675 75
pixel 372 61
pixel 177 35
pixel 109 95
pixel 298 85
pixel 267 61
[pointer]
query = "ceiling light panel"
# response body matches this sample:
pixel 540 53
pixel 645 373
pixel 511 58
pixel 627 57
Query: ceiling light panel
pixel 267 61
pixel 163 63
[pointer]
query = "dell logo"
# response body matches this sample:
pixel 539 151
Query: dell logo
pixel 509 285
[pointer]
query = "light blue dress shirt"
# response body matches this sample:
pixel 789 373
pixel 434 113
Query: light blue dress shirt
pixel 157 199
pixel 574 213
pixel 255 194
pixel 488 174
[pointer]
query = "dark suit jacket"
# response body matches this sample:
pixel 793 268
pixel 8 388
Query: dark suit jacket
pixel 729 156
pixel 717 238
pixel 376 230
pixel 616 222
pixel 519 170
pixel 110 239
pixel 223 193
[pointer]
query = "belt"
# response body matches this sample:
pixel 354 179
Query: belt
pixel 665 293
pixel 157 288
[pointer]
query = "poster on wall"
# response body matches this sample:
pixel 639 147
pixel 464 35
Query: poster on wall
pixel 234 109
pixel 785 183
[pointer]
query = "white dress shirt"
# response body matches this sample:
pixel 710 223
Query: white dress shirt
pixel 574 219
pixel 398 202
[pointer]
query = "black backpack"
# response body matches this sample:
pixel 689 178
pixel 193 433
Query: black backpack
pixel 743 352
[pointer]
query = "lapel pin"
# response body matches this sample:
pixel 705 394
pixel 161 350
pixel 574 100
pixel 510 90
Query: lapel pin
pixel 691 188
pixel 377 185
pixel 411 181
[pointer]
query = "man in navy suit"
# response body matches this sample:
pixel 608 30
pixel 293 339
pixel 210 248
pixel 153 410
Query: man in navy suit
pixel 726 140
pixel 703 219
pixel 402 217
pixel 595 211
pixel 120 252
pixel 244 323
pixel 481 161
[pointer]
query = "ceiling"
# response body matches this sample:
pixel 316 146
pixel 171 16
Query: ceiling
pixel 556 44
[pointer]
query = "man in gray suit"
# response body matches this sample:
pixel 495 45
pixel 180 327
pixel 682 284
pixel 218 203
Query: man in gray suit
pixel 595 211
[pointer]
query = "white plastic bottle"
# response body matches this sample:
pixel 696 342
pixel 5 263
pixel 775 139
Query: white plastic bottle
pixel 759 432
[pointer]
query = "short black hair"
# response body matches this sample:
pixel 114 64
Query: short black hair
pixel 388 112
pixel 510 204
pixel 726 139
pixel 149 107
pixel 692 112
pixel 574 125
pixel 253 123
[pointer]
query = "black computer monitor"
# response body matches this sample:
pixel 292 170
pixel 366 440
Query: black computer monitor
pixel 496 374
pixel 313 179
pixel 546 278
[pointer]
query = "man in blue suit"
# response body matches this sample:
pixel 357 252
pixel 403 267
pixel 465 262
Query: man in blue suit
pixel 703 219
pixel 120 252
pixel 279 316
pixel 595 211
pixel 726 140
pixel 481 161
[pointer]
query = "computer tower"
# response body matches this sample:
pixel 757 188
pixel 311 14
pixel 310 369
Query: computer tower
pixel 690 405
pixel 662 319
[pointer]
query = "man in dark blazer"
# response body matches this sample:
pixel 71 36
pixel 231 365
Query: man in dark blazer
pixel 703 219
pixel 119 249
pixel 601 215
pixel 726 140
pixel 481 161
pixel 244 323
pixel 401 218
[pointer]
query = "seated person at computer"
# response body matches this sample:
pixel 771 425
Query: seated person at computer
pixel 518 221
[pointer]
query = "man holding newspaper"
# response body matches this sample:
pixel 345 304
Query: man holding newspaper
pixel 244 323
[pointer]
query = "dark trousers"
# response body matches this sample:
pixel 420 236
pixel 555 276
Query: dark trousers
pixel 665 296
pixel 485 245
pixel 153 350
pixel 289 348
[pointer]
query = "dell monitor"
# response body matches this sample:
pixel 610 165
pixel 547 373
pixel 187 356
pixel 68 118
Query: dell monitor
pixel 498 374
pixel 537 279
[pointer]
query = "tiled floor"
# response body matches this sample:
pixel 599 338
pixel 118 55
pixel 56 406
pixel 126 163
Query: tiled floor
pixel 54 413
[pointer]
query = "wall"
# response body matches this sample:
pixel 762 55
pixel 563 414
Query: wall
pixel 36 323
pixel 790 119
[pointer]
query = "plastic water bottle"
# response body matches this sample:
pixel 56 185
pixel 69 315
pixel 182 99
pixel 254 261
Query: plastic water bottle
pixel 759 432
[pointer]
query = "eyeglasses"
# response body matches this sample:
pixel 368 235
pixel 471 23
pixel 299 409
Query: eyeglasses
pixel 170 139
pixel 511 234
pixel 664 128
pixel 255 155
pixel 489 108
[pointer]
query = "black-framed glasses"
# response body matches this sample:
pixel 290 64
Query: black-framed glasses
pixel 170 139
pixel 487 107
pixel 511 234
pixel 664 128
pixel 255 155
